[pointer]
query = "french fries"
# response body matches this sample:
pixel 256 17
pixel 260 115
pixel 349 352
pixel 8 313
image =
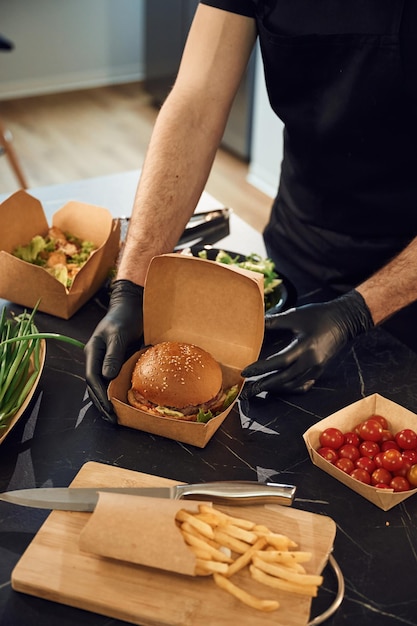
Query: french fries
pixel 244 596
pixel 224 545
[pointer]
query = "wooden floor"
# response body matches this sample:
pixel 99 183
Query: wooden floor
pixel 70 136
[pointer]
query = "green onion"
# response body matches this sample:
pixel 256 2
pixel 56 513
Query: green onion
pixel 20 360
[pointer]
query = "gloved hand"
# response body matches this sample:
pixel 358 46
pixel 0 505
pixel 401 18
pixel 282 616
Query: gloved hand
pixel 318 332
pixel 106 349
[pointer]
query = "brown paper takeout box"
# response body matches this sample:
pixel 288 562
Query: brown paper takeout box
pixel 346 419
pixel 21 218
pixel 217 307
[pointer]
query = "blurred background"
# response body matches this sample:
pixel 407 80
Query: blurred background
pixel 82 84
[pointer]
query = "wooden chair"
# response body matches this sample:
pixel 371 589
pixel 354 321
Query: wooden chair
pixel 6 147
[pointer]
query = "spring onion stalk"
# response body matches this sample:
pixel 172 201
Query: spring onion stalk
pixel 20 360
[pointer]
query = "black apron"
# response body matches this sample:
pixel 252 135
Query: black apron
pixel 347 200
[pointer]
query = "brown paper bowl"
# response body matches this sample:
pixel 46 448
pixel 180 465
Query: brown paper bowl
pixel 346 419
pixel 16 417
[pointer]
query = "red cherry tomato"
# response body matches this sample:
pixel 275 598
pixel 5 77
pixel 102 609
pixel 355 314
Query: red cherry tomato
pixel 392 460
pixel 410 456
pixel 328 453
pixel 369 448
pixel 352 438
pixel 332 438
pixel 364 462
pixel 348 451
pixel 382 420
pixel 402 472
pixel 412 475
pixel 370 430
pixel 381 475
pixel 399 483
pixel 406 439
pixel 382 486
pixel 387 435
pixel 362 475
pixel 391 444
pixel 356 430
pixel 344 464
pixel 378 459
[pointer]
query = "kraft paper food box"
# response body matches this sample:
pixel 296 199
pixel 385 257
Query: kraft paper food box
pixel 346 419
pixel 215 306
pixel 21 218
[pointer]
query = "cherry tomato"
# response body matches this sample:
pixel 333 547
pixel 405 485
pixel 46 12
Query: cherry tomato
pixel 399 483
pixel 406 439
pixel 381 475
pixel 401 472
pixel 344 464
pixel 410 455
pixel 369 448
pixel 370 430
pixel 387 435
pixel 332 438
pixel 391 444
pixel 362 475
pixel 356 430
pixel 412 475
pixel 348 451
pixel 364 462
pixel 382 420
pixel 382 486
pixel 392 460
pixel 378 459
pixel 352 438
pixel 328 453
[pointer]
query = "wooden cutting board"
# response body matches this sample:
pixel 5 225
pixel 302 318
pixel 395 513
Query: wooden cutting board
pixel 54 568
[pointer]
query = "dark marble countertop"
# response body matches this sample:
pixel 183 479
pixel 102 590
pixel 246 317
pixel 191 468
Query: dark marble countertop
pixel 262 440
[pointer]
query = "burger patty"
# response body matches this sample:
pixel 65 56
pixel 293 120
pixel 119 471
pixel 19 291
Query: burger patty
pixel 188 413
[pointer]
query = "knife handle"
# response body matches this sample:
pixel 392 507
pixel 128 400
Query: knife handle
pixel 239 492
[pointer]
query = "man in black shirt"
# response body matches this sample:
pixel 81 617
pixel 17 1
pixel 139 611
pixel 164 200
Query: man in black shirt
pixel 344 222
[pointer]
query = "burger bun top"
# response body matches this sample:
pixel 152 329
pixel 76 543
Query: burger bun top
pixel 175 374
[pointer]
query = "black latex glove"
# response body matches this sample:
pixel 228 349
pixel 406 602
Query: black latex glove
pixel 106 350
pixel 318 332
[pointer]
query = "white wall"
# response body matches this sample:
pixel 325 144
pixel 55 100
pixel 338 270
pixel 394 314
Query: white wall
pixel 265 165
pixel 70 44
pixel 63 45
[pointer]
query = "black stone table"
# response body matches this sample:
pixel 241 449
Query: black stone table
pixel 62 430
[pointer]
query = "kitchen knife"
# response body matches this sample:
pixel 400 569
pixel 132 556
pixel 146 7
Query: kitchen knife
pixel 85 498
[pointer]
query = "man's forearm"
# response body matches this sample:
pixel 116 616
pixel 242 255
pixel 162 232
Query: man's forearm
pixel 175 172
pixel 393 287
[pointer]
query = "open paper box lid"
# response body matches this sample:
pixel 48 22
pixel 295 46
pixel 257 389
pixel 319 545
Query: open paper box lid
pixel 215 306
pixel 210 304
pixel 21 218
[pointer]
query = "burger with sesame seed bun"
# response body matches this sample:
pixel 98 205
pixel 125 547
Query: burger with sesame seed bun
pixel 180 381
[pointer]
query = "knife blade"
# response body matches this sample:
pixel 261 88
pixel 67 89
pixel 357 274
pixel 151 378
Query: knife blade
pixel 85 498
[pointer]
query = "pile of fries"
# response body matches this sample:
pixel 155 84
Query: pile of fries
pixel 224 545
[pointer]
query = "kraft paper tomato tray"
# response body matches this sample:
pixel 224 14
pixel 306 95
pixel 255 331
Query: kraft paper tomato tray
pixel 217 307
pixel 21 218
pixel 346 419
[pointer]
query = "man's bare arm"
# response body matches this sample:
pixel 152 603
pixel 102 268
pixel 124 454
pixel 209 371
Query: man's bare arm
pixel 186 136
pixel 393 287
